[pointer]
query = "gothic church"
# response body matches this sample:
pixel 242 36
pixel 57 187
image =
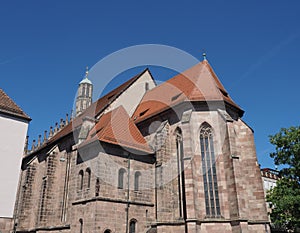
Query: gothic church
pixel 170 158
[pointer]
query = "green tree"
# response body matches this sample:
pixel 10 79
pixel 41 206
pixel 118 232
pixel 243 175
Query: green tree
pixel 285 197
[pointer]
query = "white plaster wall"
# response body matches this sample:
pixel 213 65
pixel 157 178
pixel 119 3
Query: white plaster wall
pixel 12 139
pixel 133 95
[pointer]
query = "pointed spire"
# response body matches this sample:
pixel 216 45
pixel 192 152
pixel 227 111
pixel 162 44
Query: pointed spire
pixel 86 79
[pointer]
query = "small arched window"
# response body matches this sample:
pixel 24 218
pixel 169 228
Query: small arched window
pixel 132 226
pixel 137 177
pixel 88 173
pixel 80 180
pixel 107 231
pixel 121 178
pixel 97 188
pixel 81 225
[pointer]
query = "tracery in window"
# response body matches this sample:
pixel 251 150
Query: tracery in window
pixel 211 192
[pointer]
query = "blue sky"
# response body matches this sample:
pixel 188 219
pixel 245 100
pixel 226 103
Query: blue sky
pixel 253 46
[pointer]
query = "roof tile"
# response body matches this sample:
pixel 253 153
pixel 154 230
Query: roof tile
pixel 116 127
pixel 8 106
pixel 198 83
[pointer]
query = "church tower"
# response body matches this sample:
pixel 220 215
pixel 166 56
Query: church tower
pixel 84 94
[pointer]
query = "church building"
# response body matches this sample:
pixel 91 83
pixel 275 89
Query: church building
pixel 145 158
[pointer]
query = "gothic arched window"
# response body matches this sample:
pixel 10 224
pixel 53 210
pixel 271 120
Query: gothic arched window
pixel 132 226
pixel 80 180
pixel 88 172
pixel 121 178
pixel 137 177
pixel 210 182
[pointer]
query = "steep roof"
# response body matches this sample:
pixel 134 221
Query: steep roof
pixel 96 108
pixel 199 83
pixel 8 106
pixel 116 127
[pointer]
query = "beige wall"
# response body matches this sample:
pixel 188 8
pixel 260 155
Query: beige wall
pixel 12 138
pixel 133 95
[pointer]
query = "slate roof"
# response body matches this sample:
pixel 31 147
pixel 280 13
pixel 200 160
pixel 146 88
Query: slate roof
pixel 198 83
pixel 9 107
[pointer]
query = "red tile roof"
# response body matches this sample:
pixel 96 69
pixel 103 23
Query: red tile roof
pixel 8 106
pixel 96 108
pixel 116 127
pixel 198 83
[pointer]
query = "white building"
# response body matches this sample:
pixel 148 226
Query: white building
pixel 13 130
pixel 269 178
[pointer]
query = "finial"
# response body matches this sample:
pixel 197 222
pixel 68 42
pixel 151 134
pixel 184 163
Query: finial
pixel 86 71
pixel 67 119
pixel 56 127
pixel 204 56
pixel 62 124
pixel 72 115
pixel 39 141
pixel 45 136
pixel 51 132
pixel 33 145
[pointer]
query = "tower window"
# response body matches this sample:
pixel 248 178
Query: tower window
pixel 212 203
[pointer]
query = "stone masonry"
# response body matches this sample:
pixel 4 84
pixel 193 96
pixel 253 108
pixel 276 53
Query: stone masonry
pixel 190 180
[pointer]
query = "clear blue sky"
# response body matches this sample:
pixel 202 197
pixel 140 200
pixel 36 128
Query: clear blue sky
pixel 254 47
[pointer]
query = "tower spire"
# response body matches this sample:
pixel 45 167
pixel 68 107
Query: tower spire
pixel 84 94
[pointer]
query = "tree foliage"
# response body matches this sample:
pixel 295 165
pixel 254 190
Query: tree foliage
pixel 285 197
